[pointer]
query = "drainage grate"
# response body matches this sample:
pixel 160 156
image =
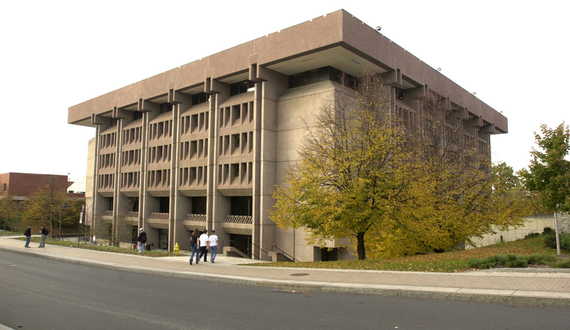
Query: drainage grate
pixel 300 274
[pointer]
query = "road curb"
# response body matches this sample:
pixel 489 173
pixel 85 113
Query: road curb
pixel 512 297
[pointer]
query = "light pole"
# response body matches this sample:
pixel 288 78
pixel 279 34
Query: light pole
pixel 59 233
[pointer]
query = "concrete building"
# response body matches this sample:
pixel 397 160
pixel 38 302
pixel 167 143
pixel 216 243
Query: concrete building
pixel 203 145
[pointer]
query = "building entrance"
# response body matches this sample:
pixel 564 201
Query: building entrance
pixel 242 243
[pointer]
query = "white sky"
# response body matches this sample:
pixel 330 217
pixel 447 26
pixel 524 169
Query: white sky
pixel 55 54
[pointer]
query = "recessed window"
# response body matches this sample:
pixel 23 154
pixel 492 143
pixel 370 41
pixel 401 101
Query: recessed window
pixel 241 87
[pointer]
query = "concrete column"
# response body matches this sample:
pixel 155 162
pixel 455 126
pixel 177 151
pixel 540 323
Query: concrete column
pixel 147 203
pixel 179 206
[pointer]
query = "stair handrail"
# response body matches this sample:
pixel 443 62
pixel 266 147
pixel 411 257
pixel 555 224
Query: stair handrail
pixel 284 253
pixel 259 247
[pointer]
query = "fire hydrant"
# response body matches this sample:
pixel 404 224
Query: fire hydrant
pixel 176 248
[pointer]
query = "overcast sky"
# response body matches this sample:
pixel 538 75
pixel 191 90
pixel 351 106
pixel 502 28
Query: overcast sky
pixel 55 54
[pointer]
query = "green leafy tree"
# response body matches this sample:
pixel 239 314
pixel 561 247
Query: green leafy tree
pixel 7 209
pixel 510 199
pixel 346 179
pixel 548 175
pixel 43 205
pixel 549 171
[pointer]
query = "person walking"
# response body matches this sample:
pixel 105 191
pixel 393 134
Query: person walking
pixel 44 233
pixel 195 242
pixel 213 241
pixel 28 234
pixel 141 240
pixel 204 245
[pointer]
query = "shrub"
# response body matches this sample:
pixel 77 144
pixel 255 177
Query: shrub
pixel 562 264
pixel 532 235
pixel 550 240
pixel 547 230
pixel 510 260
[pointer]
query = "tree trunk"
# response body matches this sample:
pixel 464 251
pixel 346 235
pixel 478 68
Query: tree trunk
pixel 360 246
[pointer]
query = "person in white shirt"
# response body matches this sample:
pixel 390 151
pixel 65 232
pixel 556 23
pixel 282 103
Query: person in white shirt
pixel 204 246
pixel 213 240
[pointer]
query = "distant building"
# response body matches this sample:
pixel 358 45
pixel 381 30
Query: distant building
pixel 22 185
pixel 203 145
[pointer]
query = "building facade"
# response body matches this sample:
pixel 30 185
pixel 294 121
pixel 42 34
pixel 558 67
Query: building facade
pixel 203 145
pixel 22 185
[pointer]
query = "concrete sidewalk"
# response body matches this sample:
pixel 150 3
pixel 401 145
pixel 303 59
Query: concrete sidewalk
pixel 531 286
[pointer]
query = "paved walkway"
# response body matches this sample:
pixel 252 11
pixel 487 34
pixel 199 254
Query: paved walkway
pixel 532 286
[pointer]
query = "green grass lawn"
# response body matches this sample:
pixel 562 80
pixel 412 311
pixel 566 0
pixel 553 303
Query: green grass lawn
pixel 441 262
pixel 456 261
pixel 105 248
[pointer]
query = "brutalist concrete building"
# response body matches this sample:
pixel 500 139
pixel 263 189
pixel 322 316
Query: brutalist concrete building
pixel 203 145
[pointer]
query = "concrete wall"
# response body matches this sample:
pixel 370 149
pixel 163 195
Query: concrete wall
pixel 534 224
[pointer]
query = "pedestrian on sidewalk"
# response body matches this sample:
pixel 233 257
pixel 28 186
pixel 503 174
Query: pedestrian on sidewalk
pixel 44 233
pixel 213 241
pixel 195 242
pixel 28 234
pixel 204 246
pixel 141 240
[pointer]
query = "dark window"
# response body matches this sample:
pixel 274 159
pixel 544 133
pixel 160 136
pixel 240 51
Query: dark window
pixel 399 93
pixel 137 115
pixel 241 242
pixel 134 203
pixel 163 239
pixel 241 205
pixel 165 107
pixel 200 98
pixel 321 74
pixel 164 205
pixel 241 87
pixel 198 205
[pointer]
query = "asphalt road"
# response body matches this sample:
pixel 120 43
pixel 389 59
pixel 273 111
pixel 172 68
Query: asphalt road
pixel 38 293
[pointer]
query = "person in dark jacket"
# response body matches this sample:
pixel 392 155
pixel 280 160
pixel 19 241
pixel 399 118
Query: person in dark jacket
pixel 28 234
pixel 141 239
pixel 44 233
pixel 195 244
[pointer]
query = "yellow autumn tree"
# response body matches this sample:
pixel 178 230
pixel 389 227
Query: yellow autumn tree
pixel 450 197
pixel 347 179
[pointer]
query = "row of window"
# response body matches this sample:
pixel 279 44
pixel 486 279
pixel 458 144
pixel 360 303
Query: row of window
pixel 234 144
pixel 241 143
pixel 159 179
pixel 235 174
pixel 229 116
pixel 240 114
pixel 107 140
pixel 133 135
pixel 160 154
pixel 106 181
pixel 161 130
pixel 198 122
pixel 131 158
pixel 193 176
pixel 197 149
pixel 130 180
pixel 229 174
pixel 107 161
pixel 409 120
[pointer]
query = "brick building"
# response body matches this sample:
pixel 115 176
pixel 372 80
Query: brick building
pixel 21 185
